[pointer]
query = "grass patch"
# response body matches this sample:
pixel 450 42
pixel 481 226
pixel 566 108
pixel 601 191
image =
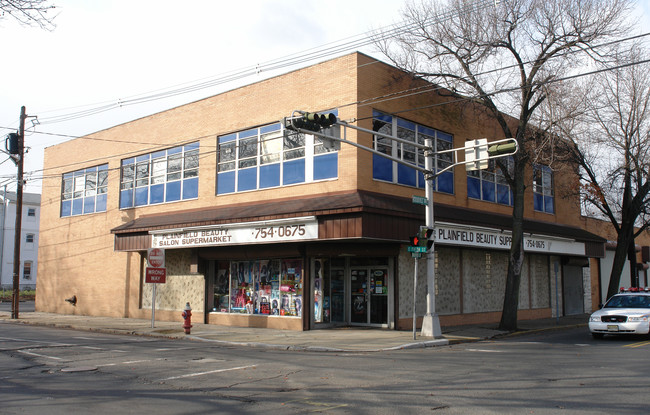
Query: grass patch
pixel 24 295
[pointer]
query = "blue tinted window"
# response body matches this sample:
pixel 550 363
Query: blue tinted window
pixel 89 204
pixel 66 208
pixel 294 172
pixel 173 191
pixel 100 205
pixel 191 188
pixel 126 199
pixel 226 182
pixel 247 179
pixel 326 166
pixel 473 188
pixel 141 196
pixel 77 206
pixel 382 168
pixel 445 182
pixel 406 175
pixel 270 175
pixel 157 194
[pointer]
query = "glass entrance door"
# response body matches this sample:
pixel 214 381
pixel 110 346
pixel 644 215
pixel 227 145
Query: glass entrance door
pixel 369 296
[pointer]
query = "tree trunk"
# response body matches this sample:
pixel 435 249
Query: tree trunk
pixel 625 238
pixel 516 260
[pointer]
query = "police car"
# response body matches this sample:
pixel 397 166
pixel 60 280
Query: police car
pixel 627 312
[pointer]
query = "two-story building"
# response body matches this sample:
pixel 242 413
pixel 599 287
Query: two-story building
pixel 266 227
pixel 31 206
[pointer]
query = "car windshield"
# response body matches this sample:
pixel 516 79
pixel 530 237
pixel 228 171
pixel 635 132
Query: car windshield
pixel 629 301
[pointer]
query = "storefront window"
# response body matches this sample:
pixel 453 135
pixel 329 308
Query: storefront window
pixel 329 291
pixel 271 287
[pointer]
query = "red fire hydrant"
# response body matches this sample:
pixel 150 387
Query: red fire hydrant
pixel 187 318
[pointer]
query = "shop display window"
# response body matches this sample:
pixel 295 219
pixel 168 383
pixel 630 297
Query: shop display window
pixel 270 287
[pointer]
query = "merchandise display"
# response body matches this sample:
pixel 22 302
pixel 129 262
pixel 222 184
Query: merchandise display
pixel 270 287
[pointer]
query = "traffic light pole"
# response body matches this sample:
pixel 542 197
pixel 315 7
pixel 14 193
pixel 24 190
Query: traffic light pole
pixel 19 215
pixel 430 322
pixel 480 151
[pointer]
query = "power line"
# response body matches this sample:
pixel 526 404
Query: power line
pixel 330 49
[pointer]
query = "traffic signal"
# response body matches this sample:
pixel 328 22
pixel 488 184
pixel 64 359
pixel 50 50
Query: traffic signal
pixel 415 240
pixel 11 143
pixel 498 149
pixel 426 237
pixel 314 122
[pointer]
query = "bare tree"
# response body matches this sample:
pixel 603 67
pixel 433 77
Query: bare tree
pixel 613 149
pixel 29 12
pixel 504 55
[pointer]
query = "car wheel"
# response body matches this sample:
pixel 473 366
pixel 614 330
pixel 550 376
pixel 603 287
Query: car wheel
pixel 597 335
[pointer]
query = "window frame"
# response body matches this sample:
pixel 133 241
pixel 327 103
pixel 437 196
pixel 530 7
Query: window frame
pixel 543 189
pixel 84 191
pixel 491 182
pixel 163 176
pixel 271 156
pixel 386 170
pixel 27 266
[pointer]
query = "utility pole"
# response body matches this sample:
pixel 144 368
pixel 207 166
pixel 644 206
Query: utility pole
pixel 19 213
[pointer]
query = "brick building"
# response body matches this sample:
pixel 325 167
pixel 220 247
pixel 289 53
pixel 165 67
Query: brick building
pixel 264 227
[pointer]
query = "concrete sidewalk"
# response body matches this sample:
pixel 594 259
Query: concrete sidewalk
pixel 349 339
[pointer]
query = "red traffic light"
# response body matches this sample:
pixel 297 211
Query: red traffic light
pixel 415 240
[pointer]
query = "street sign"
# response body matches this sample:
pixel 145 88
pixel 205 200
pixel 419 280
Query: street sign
pixel 156 257
pixel 416 255
pixel 156 275
pixel 416 249
pixel 420 200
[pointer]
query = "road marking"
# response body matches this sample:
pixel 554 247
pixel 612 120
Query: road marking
pixel 639 344
pixel 39 355
pixel 37 341
pixel 208 373
pixel 130 362
pixel 485 350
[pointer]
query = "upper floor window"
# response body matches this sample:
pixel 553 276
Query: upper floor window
pixel 543 195
pixel 272 156
pixel 490 184
pixel 29 238
pixel 31 212
pixel 84 191
pixel 394 172
pixel 164 176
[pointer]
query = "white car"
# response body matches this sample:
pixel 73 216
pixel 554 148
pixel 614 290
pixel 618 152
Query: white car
pixel 627 312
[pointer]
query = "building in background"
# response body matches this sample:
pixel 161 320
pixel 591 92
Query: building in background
pixel 265 227
pixel 29 239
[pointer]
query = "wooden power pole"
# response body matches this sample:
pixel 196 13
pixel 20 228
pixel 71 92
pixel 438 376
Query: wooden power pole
pixel 19 214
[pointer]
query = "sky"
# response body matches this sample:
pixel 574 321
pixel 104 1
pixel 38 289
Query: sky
pixel 110 52
pixel 105 52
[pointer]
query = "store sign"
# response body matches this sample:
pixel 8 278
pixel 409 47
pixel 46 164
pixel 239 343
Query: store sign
pixel 447 234
pixel 283 230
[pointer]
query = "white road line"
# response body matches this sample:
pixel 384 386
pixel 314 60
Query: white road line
pixel 485 350
pixel 37 341
pixel 39 355
pixel 130 362
pixel 208 373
